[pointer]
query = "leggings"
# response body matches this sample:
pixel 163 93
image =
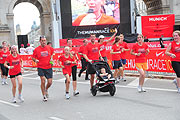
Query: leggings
pixel 74 71
pixel 84 67
pixel 176 67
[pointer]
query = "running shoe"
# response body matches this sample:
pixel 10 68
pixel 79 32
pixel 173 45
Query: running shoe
pixel 122 79
pixel 75 93
pixel 6 83
pixel 2 83
pixel 178 90
pixel 139 89
pixel 14 100
pixel 67 96
pixel 21 98
pixel 45 99
pixel 175 82
pixel 143 90
pixel 117 81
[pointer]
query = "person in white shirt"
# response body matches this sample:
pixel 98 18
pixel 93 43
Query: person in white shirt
pixel 29 49
pixel 22 50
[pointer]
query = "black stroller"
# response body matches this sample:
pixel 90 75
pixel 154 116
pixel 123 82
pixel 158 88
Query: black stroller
pixel 103 85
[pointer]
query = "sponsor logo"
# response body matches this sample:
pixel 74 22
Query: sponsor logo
pixel 158 54
pixel 155 19
pixel 44 53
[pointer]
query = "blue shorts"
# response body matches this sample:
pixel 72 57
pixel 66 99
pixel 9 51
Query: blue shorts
pixel 116 64
pixel 123 61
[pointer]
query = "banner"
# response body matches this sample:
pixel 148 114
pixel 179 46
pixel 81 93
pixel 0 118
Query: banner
pixel 157 25
pixel 156 59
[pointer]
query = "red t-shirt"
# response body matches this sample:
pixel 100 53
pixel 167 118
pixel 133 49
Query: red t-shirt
pixel 92 51
pixel 81 50
pixel 43 54
pixel 4 56
pixel 123 45
pixel 117 56
pixel 104 20
pixel 68 66
pixel 175 48
pixel 102 48
pixel 140 49
pixel 16 62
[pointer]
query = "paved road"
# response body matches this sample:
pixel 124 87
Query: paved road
pixel 160 102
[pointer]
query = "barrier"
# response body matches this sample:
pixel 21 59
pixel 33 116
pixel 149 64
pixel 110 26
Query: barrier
pixel 156 59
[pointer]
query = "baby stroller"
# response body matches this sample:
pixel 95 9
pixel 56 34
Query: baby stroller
pixel 103 85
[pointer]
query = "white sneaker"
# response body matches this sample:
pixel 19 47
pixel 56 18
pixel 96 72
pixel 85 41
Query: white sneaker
pixel 14 100
pixel 175 82
pixel 75 93
pixel 143 90
pixel 6 83
pixel 122 79
pixel 139 89
pixel 21 98
pixel 117 80
pixel 2 83
pixel 46 93
pixel 45 98
pixel 67 96
pixel 178 90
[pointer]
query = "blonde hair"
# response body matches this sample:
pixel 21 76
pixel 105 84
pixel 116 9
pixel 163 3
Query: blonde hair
pixel 14 46
pixel 69 50
pixel 177 31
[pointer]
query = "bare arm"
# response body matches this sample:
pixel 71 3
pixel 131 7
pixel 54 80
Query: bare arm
pixel 168 51
pixel 6 65
pixel 85 56
pixel 60 63
pixel 112 36
pixel 114 52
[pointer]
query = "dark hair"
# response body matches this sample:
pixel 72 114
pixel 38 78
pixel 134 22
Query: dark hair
pixel 49 43
pixel 84 40
pixel 4 42
pixel 68 39
pixel 92 34
pixel 117 38
pixel 42 36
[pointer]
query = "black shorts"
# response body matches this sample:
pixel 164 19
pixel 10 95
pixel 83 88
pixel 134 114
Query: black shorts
pixel 176 67
pixel 13 76
pixel 90 69
pixel 4 70
pixel 48 73
pixel 117 64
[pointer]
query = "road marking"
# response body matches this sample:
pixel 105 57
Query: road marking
pixel 55 118
pixel 136 82
pixel 8 103
pixel 29 74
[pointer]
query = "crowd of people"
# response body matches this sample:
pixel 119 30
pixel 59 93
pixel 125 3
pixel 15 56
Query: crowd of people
pixel 11 62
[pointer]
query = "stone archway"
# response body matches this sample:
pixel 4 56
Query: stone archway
pixel 44 8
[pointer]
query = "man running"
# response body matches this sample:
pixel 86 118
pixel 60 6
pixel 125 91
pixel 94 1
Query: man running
pixel 43 55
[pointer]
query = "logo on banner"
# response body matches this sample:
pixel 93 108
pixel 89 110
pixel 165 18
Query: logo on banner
pixel 158 19
pixel 158 54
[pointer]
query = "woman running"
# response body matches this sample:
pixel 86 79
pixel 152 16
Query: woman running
pixel 15 65
pixel 66 61
pixel 174 47
pixel 140 50
pixel 102 45
pixel 123 48
pixel 3 56
pixel 116 59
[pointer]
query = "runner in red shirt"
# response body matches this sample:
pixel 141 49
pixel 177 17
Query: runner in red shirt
pixel 15 65
pixel 3 56
pixel 173 50
pixel 92 53
pixel 116 58
pixel 83 60
pixel 43 56
pixel 73 52
pixel 124 48
pixel 140 50
pixel 66 61
pixel 1 64
pixel 102 45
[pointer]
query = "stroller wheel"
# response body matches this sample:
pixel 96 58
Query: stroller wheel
pixel 112 89
pixel 94 90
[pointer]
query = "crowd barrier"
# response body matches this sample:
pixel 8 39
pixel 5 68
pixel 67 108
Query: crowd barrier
pixel 156 59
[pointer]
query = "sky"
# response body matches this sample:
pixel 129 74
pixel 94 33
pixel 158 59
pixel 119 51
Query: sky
pixel 25 14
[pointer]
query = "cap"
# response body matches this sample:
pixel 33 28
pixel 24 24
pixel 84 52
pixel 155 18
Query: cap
pixel 101 36
pixel 28 44
pixel 22 44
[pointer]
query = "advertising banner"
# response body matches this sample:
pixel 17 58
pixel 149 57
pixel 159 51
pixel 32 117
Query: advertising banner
pixel 156 26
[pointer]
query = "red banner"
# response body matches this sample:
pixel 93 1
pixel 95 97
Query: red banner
pixel 157 25
pixel 156 59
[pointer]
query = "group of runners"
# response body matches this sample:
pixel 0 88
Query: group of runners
pixel 89 53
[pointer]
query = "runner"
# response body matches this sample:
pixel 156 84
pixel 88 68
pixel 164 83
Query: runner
pixel 43 55
pixel 1 64
pixel 116 59
pixel 102 45
pixel 140 50
pixel 66 61
pixel 73 52
pixel 92 53
pixel 15 65
pixel 22 50
pixel 174 47
pixel 29 49
pixel 83 60
pixel 3 56
pixel 123 48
